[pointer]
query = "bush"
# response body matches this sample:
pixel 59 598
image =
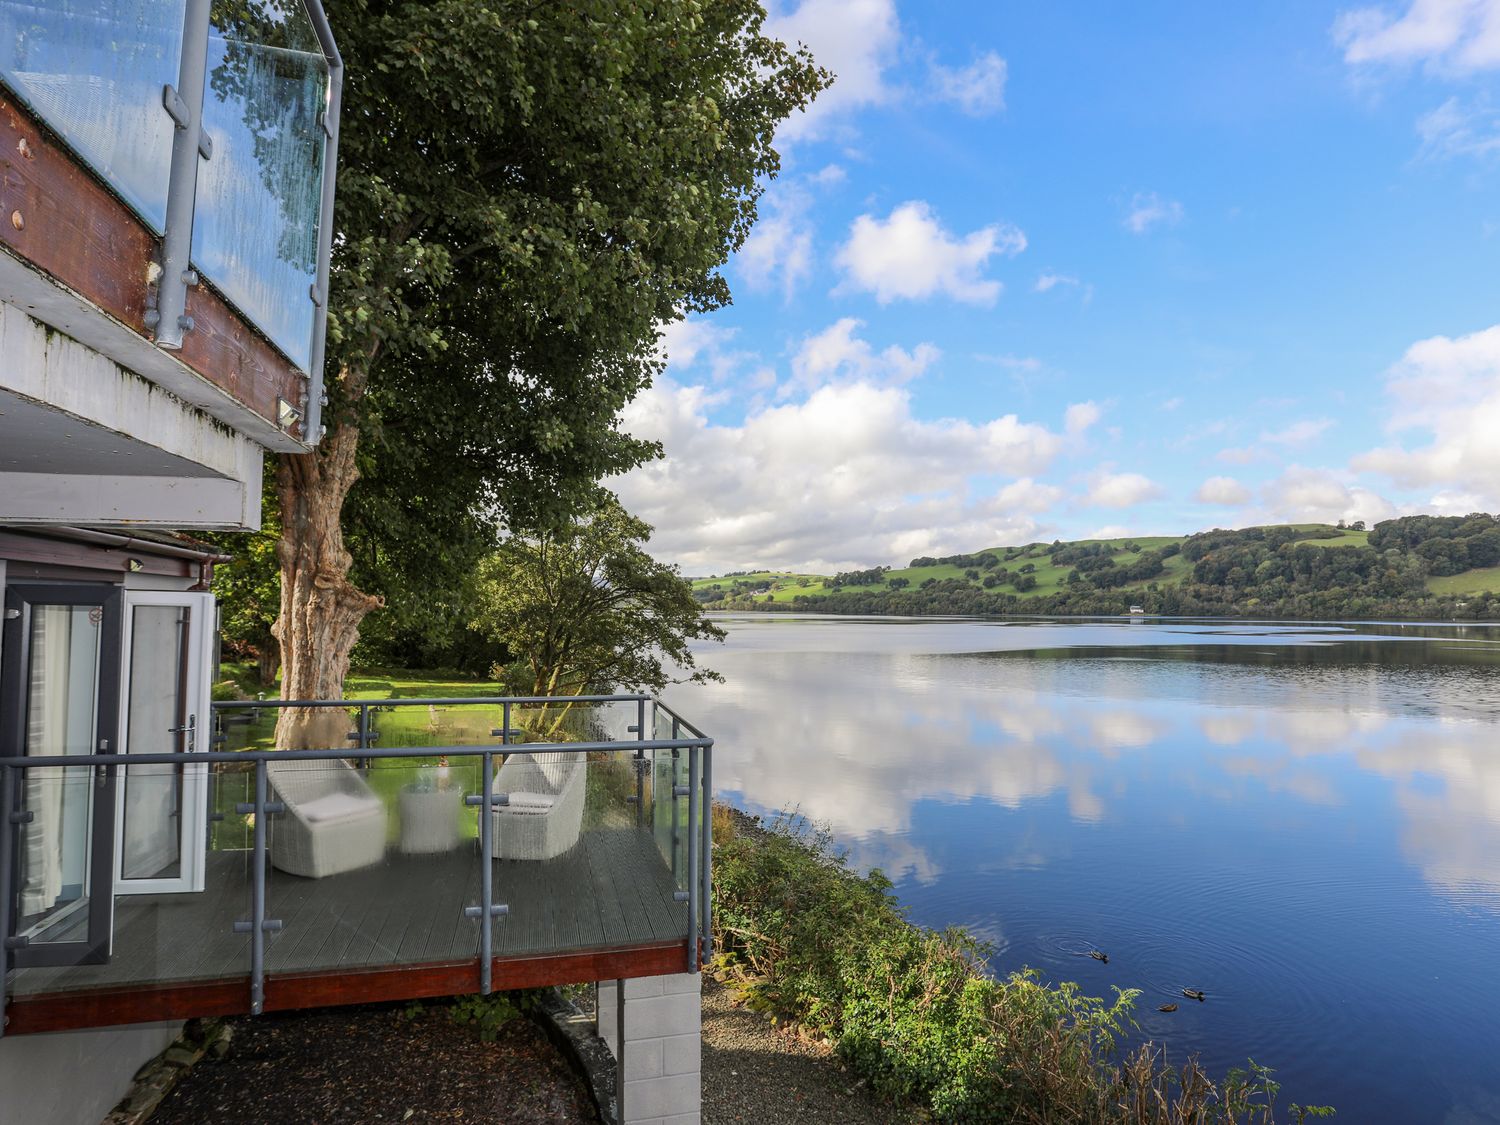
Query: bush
pixel 914 1012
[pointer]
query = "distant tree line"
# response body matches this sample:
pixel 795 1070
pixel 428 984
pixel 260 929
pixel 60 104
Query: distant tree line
pixel 1259 571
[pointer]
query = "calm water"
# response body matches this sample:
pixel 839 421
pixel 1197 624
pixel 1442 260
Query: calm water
pixel 1304 821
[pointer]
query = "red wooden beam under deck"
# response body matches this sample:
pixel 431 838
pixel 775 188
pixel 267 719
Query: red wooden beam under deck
pixel 68 1011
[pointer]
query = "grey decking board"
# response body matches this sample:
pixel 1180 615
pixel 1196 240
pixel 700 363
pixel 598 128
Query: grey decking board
pixel 612 889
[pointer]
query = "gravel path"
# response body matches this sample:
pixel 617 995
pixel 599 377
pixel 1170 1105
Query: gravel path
pixel 752 1072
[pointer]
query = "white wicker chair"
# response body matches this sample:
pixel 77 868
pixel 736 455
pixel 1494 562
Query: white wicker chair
pixel 334 822
pixel 544 813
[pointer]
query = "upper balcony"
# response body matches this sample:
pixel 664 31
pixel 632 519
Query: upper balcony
pixel 166 192
pixel 153 886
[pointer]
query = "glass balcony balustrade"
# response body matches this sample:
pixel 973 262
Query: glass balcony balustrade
pixel 348 838
pixel 106 77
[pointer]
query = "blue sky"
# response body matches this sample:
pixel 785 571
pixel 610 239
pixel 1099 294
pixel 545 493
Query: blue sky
pixel 1042 270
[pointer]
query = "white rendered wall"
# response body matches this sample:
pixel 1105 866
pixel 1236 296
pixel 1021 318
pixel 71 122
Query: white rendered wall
pixel 57 373
pixel 663 1047
pixel 74 1077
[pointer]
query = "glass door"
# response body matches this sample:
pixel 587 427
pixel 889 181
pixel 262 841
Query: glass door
pixel 162 811
pixel 59 693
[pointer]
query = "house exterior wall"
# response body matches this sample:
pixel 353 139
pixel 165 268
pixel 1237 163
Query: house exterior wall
pixel 663 1046
pixel 74 1077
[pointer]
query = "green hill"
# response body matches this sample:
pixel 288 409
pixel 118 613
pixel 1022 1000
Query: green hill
pixel 1417 566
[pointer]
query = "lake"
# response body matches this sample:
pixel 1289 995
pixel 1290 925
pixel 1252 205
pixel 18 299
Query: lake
pixel 1301 820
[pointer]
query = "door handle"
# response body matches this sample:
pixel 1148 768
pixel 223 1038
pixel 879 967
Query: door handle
pixel 190 729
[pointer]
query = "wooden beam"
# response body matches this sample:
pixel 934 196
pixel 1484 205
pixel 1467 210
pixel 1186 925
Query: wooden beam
pixel 56 216
pixel 68 1011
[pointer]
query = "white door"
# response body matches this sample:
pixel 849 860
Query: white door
pixel 160 833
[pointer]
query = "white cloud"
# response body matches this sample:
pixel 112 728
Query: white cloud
pixel 1308 495
pixel 1456 129
pixel 848 477
pixel 1222 490
pixel 1023 363
pixel 1242 455
pixel 1080 416
pixel 977 89
pixel 682 341
pixel 856 40
pixel 1026 495
pixel 1122 490
pixel 1454 35
pixel 909 255
pixel 698 345
pixel 828 175
pixel 837 353
pixel 780 245
pixel 1448 388
pixel 1049 281
pixel 1299 433
pixel 1147 209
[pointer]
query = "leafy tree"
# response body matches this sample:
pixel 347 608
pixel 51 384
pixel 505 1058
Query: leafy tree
pixel 527 190
pixel 584 608
pixel 248 589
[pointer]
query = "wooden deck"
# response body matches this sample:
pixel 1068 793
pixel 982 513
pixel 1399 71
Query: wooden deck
pixel 400 923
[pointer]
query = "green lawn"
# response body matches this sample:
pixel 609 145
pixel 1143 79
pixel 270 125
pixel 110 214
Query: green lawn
pixel 1484 580
pixel 414 726
pixel 1345 539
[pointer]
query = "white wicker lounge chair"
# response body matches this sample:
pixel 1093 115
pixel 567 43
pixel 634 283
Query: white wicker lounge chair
pixel 544 813
pixel 334 822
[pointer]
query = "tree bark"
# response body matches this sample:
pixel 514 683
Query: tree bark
pixel 320 608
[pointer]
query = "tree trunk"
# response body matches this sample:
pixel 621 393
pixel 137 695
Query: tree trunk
pixel 320 608
pixel 267 663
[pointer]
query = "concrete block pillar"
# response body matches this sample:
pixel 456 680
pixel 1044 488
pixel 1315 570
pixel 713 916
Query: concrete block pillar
pixel 663 1046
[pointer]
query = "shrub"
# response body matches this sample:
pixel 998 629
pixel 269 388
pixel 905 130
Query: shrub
pixel 915 1013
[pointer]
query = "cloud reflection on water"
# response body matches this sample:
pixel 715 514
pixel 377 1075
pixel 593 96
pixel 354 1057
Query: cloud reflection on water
pixel 862 741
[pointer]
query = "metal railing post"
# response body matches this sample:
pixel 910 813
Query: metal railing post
pixel 185 105
pixel 676 810
pixel 488 909
pixel 7 853
pixel 694 811
pixel 362 735
pixel 640 762
pixel 707 911
pixel 258 898
pixel 486 872
pixel 313 421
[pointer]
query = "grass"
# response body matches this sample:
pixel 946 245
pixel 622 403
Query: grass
pixel 416 726
pixel 1482 581
pixel 1344 539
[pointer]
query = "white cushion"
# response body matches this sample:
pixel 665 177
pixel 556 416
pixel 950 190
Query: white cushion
pixel 532 802
pixel 335 806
